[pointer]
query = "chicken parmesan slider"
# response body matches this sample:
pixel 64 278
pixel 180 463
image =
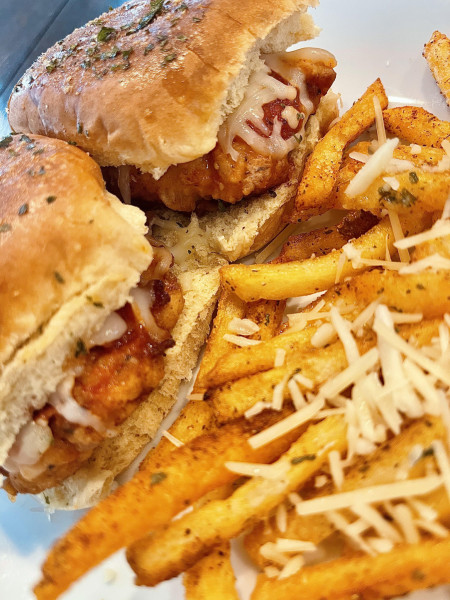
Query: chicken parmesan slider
pixel 192 102
pixel 87 309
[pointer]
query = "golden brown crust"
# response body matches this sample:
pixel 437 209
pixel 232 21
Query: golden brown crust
pixel 125 102
pixel 44 183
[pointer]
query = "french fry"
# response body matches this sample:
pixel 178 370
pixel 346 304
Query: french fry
pixel 214 572
pixel 183 542
pixel 415 125
pixel 268 314
pixel 300 278
pixel 235 398
pixel 438 246
pixel 255 359
pixel 420 190
pixel 404 569
pixel 156 496
pixel 195 419
pixel 427 292
pixel 321 241
pixel 437 54
pixel 229 306
pixel 383 466
pixel 322 167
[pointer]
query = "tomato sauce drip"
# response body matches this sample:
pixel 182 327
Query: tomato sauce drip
pixel 275 108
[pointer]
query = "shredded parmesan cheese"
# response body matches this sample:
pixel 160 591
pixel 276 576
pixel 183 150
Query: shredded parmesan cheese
pixel 297 397
pixel 340 382
pixel 196 396
pixel 392 182
pixel 304 381
pixel 336 469
pixel 288 424
pixel 239 340
pixel 359 156
pixel 269 551
pixel 443 463
pixel 398 235
pixel 257 408
pixel 325 334
pixel 280 356
pixel 379 122
pixel 375 520
pixel 320 481
pixel 446 146
pixel 271 572
pixel 281 518
pixel 175 441
pixel 275 471
pixel 414 354
pixel 439 229
pixel 343 329
pixel 278 393
pixel 374 494
pixel 290 546
pixel 404 518
pixel 373 168
pixel 242 326
pixel 293 566
pixel 432 527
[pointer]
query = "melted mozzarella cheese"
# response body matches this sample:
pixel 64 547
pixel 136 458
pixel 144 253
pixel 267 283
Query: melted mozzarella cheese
pixel 31 443
pixel 65 404
pixel 112 329
pixel 263 89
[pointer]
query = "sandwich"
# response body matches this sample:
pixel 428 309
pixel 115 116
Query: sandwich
pixel 196 112
pixel 191 105
pixel 88 306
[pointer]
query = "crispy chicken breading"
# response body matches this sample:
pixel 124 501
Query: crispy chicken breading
pixel 216 175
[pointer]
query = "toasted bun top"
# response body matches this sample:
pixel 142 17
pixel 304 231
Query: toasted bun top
pixel 149 83
pixel 56 223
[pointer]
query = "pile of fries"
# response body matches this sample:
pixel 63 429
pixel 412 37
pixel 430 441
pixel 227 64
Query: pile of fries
pixel 318 428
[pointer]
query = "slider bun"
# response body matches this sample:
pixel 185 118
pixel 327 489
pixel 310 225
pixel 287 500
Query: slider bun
pixel 69 254
pixel 155 106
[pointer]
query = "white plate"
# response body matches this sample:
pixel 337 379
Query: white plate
pixel 371 38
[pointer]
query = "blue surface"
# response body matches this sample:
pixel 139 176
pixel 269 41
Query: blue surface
pixel 28 28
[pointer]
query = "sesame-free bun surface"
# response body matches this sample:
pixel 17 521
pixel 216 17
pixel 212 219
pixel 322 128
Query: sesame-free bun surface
pixel 153 92
pixel 69 254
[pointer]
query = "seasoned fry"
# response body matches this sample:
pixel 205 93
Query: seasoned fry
pixel 214 572
pixel 277 281
pixel 156 496
pixel 392 574
pixel 322 241
pixel 419 190
pixel 195 419
pixel 428 293
pixel 384 466
pixel 415 125
pixel 323 165
pixel 249 361
pixel 438 246
pixel 437 53
pixel 186 540
pixel 268 314
pixel 235 398
pixel 229 306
